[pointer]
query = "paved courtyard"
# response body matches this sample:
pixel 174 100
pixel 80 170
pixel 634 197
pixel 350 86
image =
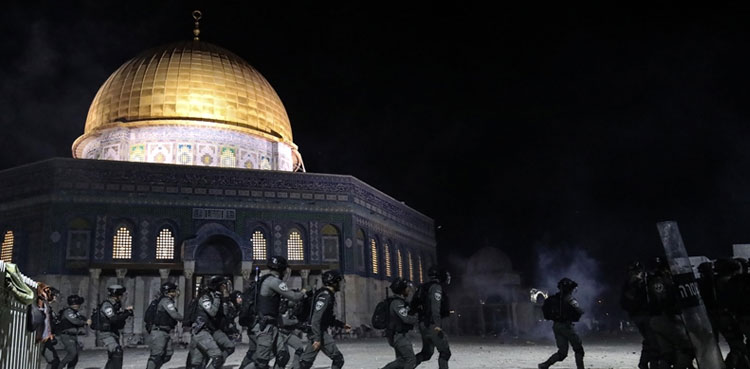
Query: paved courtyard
pixel 467 354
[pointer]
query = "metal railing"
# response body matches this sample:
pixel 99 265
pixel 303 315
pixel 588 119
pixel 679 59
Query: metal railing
pixel 18 349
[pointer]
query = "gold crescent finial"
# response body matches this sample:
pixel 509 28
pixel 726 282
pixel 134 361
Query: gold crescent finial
pixel 197 15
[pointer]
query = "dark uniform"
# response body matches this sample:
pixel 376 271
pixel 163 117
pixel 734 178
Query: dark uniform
pixel 323 317
pixel 675 349
pixel 206 322
pixel 72 324
pixel 727 321
pixel 740 303
pixel 227 328
pixel 289 329
pixel 634 300
pixel 112 319
pixel 565 334
pixel 430 327
pixel 160 339
pixel 266 330
pixel 399 325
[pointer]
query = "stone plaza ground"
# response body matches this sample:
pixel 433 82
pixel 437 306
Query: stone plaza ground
pixel 468 353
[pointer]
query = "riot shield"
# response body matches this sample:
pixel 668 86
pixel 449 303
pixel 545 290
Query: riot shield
pixel 694 313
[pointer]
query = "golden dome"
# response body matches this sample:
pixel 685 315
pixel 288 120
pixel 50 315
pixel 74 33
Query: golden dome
pixel 191 83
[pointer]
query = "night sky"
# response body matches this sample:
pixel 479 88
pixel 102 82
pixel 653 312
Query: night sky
pixel 524 129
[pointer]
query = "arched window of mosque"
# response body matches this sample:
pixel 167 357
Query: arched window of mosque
pixel 419 264
pixel 411 265
pixel 228 159
pixel 330 238
pixel 359 252
pixel 294 248
pixel 400 263
pixel 122 244
pixel 6 253
pixel 374 255
pixel 165 244
pixel 259 246
pixel 387 257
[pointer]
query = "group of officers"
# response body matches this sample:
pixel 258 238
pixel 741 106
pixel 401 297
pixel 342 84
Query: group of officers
pixel 652 300
pixel 275 325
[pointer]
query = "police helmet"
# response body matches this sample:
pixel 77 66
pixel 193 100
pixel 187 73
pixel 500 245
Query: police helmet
pixel 75 300
pixel 168 287
pixel 331 278
pixel 727 266
pixel 116 290
pixel 277 263
pixel 399 285
pixel 214 282
pixel 234 295
pixel 659 264
pixel 439 274
pixel 635 267
pixel 706 269
pixel 566 284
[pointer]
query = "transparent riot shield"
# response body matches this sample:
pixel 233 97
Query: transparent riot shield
pixel 694 314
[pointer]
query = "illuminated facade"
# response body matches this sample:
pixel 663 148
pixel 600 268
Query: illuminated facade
pixel 186 168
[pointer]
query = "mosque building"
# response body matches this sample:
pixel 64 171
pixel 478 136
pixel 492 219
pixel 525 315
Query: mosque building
pixel 187 167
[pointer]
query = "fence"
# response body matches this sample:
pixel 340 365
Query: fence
pixel 18 349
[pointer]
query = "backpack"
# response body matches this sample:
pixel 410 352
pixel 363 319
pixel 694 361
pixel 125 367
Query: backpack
pixel 247 308
pixel 149 317
pixel 382 314
pixel 304 308
pixel 96 317
pixel 191 312
pixel 552 308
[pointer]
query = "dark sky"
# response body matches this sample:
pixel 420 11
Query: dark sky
pixel 519 128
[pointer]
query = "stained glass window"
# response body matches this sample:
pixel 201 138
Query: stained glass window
pixel 6 253
pixel 294 250
pixel 259 246
pixel 165 245
pixel 374 252
pixel 122 244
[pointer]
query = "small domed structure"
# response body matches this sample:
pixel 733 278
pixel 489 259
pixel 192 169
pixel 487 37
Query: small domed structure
pixel 190 103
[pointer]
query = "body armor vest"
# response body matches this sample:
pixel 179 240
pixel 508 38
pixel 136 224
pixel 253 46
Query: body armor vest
pixel 327 319
pixel 395 323
pixel 210 323
pixel 268 305
pixel 65 324
pixel 163 319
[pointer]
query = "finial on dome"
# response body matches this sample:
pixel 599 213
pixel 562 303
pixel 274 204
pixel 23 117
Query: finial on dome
pixel 197 31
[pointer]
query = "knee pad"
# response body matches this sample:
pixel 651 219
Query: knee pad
pixel 156 360
pixel 298 352
pixel 282 358
pixel 217 362
pixel 445 355
pixel 166 358
pixel 305 365
pixel 229 350
pixel 337 361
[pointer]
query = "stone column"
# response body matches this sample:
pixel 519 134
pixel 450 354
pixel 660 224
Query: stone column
pixel 141 298
pixel 92 302
pixel 164 274
pixel 121 273
pixel 305 274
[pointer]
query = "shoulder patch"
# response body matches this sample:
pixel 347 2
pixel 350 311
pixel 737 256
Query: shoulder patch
pixel 108 311
pixel 283 286
pixel 170 306
pixel 319 305
pixel 659 287
pixel 403 312
pixel 438 296
pixel 206 304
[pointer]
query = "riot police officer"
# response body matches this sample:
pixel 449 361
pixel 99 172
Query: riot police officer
pixel 111 319
pixel 728 323
pixel 400 322
pixel 165 320
pixel 290 329
pixel 634 300
pixel 565 334
pixel 71 325
pixel 227 332
pixel 322 318
pixel 206 324
pixel 430 318
pixel 265 330
pixel 675 349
